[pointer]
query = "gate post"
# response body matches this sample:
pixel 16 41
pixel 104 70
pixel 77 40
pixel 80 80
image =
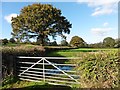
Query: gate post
pixel 12 65
pixel 15 66
pixel 1 68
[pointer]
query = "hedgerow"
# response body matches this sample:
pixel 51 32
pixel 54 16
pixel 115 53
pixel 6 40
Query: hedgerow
pixel 10 54
pixel 99 70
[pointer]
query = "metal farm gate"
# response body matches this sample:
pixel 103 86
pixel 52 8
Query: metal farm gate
pixel 47 69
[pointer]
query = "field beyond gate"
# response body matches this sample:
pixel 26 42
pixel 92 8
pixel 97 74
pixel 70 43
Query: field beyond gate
pixel 47 69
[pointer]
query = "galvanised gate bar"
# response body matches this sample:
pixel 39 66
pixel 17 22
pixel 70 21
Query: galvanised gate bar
pixel 45 69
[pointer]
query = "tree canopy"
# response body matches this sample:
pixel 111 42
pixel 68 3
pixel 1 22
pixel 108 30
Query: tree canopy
pixel 12 40
pixel 40 21
pixel 4 41
pixel 64 43
pixel 77 41
pixel 109 42
pixel 117 43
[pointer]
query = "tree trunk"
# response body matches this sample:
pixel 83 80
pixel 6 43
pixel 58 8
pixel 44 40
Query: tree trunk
pixel 40 40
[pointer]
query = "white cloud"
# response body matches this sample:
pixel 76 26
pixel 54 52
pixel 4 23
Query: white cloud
pixel 101 31
pixel 9 17
pixel 105 24
pixel 102 11
pixel 101 7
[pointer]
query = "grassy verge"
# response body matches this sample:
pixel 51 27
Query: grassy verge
pixel 13 83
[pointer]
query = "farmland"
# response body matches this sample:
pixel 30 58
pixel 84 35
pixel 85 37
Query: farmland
pixel 50 45
pixel 98 68
pixel 80 51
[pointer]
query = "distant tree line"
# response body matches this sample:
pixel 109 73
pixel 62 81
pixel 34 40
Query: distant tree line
pixel 6 41
pixel 107 42
pixel 76 41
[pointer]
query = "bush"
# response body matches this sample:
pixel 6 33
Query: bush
pixel 27 50
pixel 99 70
pixel 64 43
pixel 4 41
pixel 12 40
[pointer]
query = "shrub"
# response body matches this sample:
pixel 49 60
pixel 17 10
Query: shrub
pixel 64 43
pixel 99 70
pixel 4 41
pixel 12 40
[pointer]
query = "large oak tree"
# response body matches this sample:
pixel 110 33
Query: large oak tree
pixel 40 21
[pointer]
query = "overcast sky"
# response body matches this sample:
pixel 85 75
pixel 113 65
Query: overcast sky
pixel 93 20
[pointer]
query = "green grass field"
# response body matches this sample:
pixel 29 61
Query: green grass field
pixel 77 52
pixel 26 85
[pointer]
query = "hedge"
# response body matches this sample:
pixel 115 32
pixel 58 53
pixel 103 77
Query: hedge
pixel 9 55
pixel 99 69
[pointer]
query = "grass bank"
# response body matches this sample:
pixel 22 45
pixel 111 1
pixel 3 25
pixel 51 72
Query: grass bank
pixel 16 84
